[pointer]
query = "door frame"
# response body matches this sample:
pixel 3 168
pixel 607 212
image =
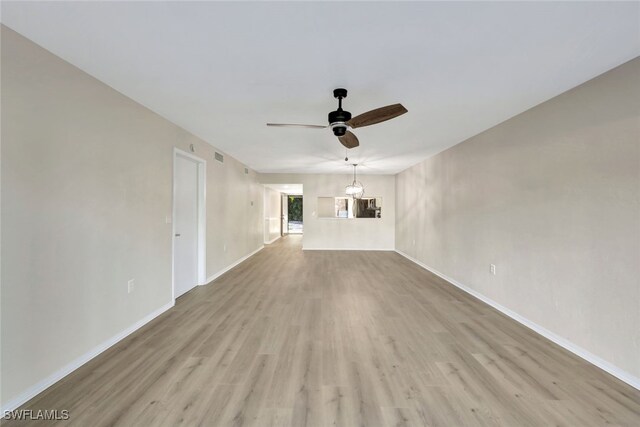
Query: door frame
pixel 202 218
pixel 284 230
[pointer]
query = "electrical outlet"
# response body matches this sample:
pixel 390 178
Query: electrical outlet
pixel 131 286
pixel 224 247
pixel 492 269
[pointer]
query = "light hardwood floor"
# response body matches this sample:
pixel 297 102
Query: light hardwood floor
pixel 293 338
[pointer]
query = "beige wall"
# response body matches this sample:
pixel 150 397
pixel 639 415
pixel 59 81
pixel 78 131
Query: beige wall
pixel 360 233
pixel 272 214
pixel 552 197
pixel 86 187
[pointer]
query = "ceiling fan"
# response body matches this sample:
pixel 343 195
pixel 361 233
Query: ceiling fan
pixel 340 120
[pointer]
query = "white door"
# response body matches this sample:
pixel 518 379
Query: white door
pixel 285 214
pixel 185 241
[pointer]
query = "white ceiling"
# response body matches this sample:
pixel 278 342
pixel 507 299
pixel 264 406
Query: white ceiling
pixel 292 189
pixel 222 70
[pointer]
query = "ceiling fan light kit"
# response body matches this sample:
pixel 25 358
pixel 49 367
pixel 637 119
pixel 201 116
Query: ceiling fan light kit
pixel 340 121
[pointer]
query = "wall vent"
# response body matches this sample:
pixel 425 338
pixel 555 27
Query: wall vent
pixel 246 171
pixel 219 157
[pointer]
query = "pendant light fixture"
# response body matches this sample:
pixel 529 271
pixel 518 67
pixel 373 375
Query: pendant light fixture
pixel 355 189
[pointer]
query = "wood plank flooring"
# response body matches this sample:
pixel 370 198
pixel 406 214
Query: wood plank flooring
pixel 293 338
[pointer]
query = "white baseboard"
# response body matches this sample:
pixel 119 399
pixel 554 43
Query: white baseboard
pixel 75 364
pixel 224 270
pixel 348 249
pixel 272 240
pixel 562 342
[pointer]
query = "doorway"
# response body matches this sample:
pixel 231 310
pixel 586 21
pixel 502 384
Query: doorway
pixel 188 222
pixel 294 214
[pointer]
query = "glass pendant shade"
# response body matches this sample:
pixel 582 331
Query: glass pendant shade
pixel 355 189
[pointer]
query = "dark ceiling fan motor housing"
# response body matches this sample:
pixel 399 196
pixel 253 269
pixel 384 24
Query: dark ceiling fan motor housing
pixel 338 119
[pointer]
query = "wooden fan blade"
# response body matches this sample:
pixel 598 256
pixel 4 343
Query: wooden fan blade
pixel 349 140
pixel 295 125
pixel 376 116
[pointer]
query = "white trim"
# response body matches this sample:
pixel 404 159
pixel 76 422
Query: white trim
pixel 265 223
pixel 622 375
pixel 284 226
pixel 202 217
pixel 202 222
pixel 272 240
pixel 75 364
pixel 349 249
pixel 224 270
